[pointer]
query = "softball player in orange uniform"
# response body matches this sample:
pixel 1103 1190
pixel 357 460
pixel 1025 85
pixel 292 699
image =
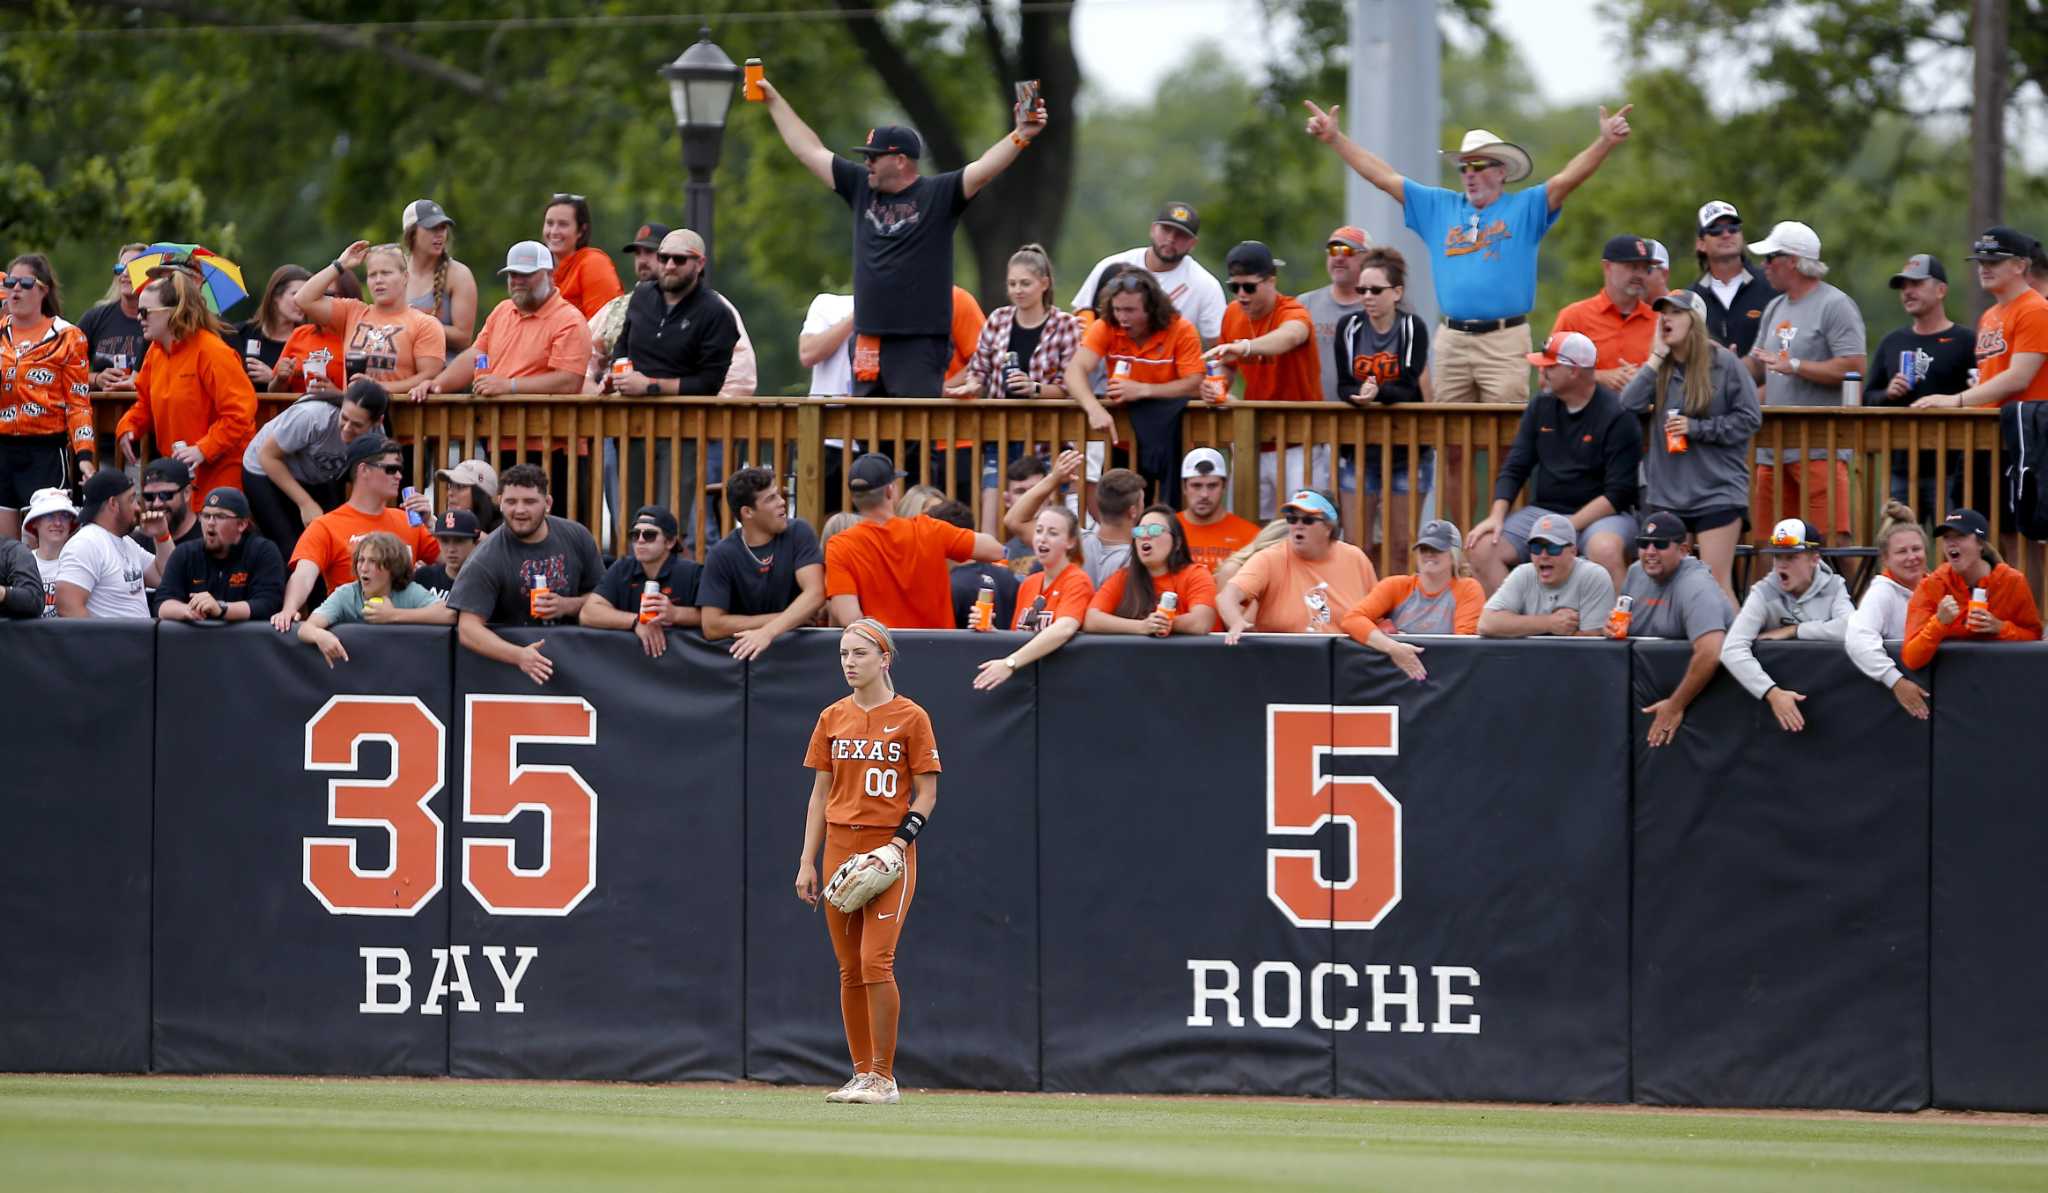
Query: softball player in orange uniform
pixel 877 782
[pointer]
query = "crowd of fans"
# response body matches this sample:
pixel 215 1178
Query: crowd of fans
pixel 1618 536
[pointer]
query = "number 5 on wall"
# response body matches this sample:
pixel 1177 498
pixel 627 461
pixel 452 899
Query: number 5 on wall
pixel 1300 800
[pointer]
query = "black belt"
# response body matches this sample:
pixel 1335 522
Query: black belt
pixel 1479 327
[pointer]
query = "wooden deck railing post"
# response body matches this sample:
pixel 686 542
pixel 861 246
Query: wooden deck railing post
pixel 810 461
pixel 1244 462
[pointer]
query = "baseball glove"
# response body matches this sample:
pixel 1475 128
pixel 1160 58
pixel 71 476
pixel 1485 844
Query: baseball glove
pixel 856 882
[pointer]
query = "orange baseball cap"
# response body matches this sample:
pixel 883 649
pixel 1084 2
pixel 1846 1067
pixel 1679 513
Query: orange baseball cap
pixel 1566 347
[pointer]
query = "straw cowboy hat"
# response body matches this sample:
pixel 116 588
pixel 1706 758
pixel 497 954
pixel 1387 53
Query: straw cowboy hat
pixel 1482 144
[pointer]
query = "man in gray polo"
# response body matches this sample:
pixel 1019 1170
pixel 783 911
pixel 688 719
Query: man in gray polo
pixel 1556 592
pixel 1673 595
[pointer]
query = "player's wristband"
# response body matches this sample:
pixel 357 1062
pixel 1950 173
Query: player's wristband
pixel 913 824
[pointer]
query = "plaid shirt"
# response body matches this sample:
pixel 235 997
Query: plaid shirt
pixel 1048 363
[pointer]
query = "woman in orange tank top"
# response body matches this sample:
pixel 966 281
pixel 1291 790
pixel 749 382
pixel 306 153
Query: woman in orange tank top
pixel 877 781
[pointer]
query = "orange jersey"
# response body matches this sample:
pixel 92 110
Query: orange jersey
pixel 2017 326
pixel 46 383
pixel 897 570
pixel 1619 338
pixel 1193 585
pixel 587 280
pixel 1217 541
pixel 196 390
pixel 967 322
pixel 1166 356
pixel 871 754
pixel 1067 595
pixel 1293 376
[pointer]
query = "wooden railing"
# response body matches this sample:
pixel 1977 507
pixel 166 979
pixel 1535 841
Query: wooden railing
pixel 810 442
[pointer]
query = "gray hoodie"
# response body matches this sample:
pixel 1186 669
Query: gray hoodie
pixel 1714 472
pixel 1821 612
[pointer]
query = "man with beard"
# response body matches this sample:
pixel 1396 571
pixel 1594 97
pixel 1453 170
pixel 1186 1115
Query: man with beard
pixel 1214 534
pixel 102 572
pixel 1673 595
pixel 230 574
pixel 1556 592
pixel 1618 319
pixel 535 570
pixel 532 343
pixel 1736 290
pixel 1192 290
pixel 679 335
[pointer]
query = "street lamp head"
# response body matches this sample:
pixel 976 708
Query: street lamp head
pixel 700 84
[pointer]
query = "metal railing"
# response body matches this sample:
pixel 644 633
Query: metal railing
pixel 687 445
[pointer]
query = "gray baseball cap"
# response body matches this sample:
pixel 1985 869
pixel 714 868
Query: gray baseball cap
pixel 1439 534
pixel 1554 528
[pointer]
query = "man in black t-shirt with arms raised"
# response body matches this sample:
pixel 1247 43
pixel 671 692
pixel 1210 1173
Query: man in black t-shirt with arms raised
pixel 902 243
pixel 535 570
pixel 767 577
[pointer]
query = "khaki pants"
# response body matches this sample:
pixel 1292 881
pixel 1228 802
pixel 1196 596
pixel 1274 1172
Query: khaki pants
pixel 1489 367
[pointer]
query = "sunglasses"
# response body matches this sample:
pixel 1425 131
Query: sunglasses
pixel 1654 544
pixel 1126 281
pixel 565 197
pixel 646 534
pixel 1787 540
pixel 1246 287
pixel 1342 250
pixel 1772 256
pixel 1476 167
pixel 1724 229
pixel 1295 518
pixel 676 258
pixel 1546 548
pixel 146 312
pixel 1375 291
pixel 160 496
pixel 20 283
pixel 1150 530
pixel 391 469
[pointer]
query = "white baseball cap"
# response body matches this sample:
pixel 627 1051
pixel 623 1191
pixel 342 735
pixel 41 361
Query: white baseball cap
pixel 529 256
pixel 1203 461
pixel 1660 255
pixel 1717 209
pixel 1791 238
pixel 1566 348
pixel 45 502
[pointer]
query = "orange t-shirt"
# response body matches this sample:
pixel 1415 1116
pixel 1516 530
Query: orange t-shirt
pixel 1293 376
pixel 553 338
pixel 1216 542
pixel 1164 357
pixel 1377 609
pixel 2017 326
pixel 587 280
pixel 1293 592
pixel 1067 596
pixel 1620 339
pixel 1194 584
pixel 317 350
pixel 871 754
pixel 967 322
pixel 898 571
pixel 197 391
pixel 392 345
pixel 331 541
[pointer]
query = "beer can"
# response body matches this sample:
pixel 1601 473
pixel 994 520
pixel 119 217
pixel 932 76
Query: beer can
pixel 621 367
pixel 1909 363
pixel 754 75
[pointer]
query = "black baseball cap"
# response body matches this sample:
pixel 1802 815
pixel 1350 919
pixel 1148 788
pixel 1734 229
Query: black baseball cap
pixel 456 524
pixel 168 469
pixel 648 237
pixel 1919 267
pixel 366 447
pixel 892 138
pixel 1963 521
pixel 872 473
pixel 101 487
pixel 659 516
pixel 1662 525
pixel 1251 259
pixel 1180 215
pixel 1626 248
pixel 1999 243
pixel 229 499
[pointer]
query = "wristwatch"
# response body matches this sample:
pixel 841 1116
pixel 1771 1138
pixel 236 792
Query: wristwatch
pixel 653 389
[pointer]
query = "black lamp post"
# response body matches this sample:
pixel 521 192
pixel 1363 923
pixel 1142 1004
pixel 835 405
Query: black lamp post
pixel 700 89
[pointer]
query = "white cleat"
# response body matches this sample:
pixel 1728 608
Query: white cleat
pixel 847 1092
pixel 879 1091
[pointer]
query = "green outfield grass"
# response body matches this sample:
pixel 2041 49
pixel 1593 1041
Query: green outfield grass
pixel 62 1133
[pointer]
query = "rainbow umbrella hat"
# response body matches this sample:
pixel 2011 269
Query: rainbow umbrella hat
pixel 220 280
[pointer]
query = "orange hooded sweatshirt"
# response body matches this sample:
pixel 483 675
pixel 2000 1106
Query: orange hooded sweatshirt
pixel 2005 593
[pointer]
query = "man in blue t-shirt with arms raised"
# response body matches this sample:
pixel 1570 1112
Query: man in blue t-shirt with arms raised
pixel 1482 247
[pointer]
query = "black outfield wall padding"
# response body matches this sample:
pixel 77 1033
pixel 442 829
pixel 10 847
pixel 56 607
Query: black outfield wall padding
pixel 75 887
pixel 1781 891
pixel 967 966
pixel 1990 954
pixel 1166 965
pixel 1511 935
pixel 253 972
pixel 629 927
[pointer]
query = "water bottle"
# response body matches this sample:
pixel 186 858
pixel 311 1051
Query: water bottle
pixel 1169 604
pixel 984 616
pixel 1617 621
pixel 1852 389
pixel 647 595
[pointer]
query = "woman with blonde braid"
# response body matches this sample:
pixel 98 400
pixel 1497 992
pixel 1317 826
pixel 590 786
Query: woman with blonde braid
pixel 877 783
pixel 435 282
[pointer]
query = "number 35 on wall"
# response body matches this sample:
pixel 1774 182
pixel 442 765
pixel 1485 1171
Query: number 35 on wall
pixel 496 789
